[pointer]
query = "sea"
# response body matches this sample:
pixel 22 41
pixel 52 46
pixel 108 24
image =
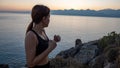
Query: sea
pixel 13 27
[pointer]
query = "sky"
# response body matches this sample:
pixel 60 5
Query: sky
pixel 60 4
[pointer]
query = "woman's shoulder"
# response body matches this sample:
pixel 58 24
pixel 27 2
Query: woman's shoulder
pixel 31 37
pixel 30 34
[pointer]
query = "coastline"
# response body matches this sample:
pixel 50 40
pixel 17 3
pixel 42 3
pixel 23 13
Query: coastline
pixel 93 54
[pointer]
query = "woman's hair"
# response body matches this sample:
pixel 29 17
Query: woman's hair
pixel 37 14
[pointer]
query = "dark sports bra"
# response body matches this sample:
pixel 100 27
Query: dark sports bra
pixel 42 44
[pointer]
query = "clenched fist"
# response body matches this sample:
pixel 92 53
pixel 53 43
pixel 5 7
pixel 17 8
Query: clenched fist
pixel 57 38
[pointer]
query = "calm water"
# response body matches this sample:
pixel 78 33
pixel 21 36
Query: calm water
pixel 13 26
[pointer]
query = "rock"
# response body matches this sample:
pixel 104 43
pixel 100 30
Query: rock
pixel 108 59
pixel 4 66
pixel 66 53
pixel 59 62
pixel 98 62
pixel 78 42
pixel 86 54
pixel 117 40
pixel 95 42
pixel 111 65
pixel 118 59
pixel 72 51
pixel 93 54
pixel 69 53
pixel 83 53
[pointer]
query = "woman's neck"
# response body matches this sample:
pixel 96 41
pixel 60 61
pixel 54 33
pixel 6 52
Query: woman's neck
pixel 38 28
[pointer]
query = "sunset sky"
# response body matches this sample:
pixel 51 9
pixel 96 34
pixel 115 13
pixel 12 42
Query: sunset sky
pixel 60 4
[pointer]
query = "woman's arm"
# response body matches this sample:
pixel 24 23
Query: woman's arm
pixel 30 46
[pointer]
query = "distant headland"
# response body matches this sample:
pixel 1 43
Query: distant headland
pixel 88 12
pixel 73 12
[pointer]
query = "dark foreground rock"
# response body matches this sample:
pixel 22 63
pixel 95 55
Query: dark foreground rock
pixel 59 62
pixel 83 53
pixel 102 53
pixel 4 66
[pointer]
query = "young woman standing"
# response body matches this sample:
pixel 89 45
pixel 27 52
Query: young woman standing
pixel 37 44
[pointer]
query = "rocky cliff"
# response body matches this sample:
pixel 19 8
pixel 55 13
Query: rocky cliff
pixel 102 53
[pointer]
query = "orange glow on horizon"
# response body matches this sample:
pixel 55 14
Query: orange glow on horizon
pixel 16 8
pixel 23 5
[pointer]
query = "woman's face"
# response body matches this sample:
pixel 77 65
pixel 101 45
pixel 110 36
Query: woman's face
pixel 46 21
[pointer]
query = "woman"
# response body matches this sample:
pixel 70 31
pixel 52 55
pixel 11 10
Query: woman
pixel 37 44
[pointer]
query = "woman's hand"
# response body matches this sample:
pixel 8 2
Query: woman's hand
pixel 57 38
pixel 52 44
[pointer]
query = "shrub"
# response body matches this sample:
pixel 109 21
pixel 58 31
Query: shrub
pixel 112 38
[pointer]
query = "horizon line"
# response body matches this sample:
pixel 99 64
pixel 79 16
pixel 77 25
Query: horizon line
pixel 65 9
